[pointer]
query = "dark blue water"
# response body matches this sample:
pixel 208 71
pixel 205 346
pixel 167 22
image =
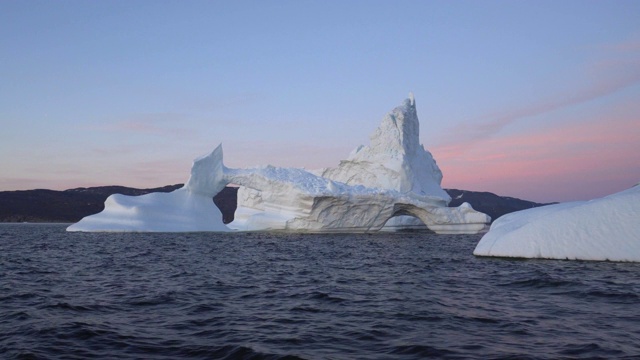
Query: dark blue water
pixel 270 296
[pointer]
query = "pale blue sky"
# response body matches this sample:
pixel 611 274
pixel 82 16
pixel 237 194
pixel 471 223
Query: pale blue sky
pixel 129 92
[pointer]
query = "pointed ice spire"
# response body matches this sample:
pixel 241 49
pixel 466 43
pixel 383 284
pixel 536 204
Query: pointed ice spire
pixel 207 174
pixel 394 158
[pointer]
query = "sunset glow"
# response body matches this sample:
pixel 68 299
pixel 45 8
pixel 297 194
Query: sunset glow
pixel 533 100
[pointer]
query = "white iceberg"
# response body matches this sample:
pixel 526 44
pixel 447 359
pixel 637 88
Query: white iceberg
pixel 603 229
pixel 189 208
pixel 393 181
pixel 394 177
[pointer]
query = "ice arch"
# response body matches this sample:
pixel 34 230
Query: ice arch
pixel 394 175
pixel 403 222
pixel 295 199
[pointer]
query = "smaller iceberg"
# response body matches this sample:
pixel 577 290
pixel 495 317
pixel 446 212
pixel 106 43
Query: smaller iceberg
pixel 602 229
pixel 190 208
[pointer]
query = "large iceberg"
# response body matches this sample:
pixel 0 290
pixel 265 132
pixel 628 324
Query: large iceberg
pixel 607 228
pixel 393 177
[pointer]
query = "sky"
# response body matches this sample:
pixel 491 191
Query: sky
pixel 538 100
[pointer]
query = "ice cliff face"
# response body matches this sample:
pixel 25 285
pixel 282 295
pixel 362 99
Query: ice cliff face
pixel 395 159
pixel 392 177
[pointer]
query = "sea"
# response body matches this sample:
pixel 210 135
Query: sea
pixel 261 295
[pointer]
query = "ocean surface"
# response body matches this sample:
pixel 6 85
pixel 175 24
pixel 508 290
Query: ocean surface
pixel 410 295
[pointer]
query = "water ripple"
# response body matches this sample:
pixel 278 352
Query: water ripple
pixel 291 296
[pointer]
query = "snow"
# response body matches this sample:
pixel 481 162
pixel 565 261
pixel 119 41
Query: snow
pixel 394 176
pixel 607 228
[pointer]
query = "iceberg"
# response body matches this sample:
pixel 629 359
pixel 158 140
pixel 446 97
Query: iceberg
pixel 393 181
pixel 394 177
pixel 602 229
pixel 187 209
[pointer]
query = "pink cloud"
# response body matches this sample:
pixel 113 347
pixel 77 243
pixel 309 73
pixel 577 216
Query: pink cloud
pixel 570 162
pixel 577 159
pixel 158 124
pixel 617 67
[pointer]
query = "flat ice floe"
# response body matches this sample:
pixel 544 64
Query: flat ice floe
pixel 607 228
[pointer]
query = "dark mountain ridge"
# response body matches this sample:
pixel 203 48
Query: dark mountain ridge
pixel 490 203
pixel 71 205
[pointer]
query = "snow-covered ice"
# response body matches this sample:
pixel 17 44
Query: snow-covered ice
pixel 607 228
pixel 393 177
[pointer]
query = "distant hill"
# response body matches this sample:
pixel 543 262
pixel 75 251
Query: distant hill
pixel 490 203
pixel 72 205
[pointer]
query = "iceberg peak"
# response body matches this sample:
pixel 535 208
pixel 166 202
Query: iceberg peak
pixel 394 159
pixel 207 174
